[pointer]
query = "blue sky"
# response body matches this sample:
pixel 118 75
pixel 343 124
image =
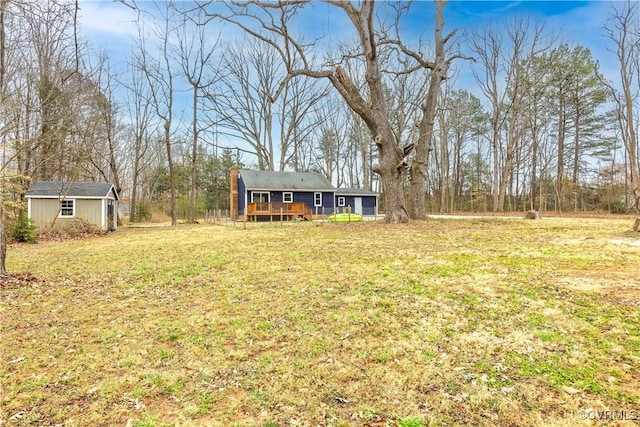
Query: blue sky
pixel 110 24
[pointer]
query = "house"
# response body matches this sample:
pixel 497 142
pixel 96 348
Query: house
pixel 304 195
pixel 358 201
pixel 52 203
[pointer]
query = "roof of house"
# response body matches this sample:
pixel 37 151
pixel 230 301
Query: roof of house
pixel 71 189
pixel 268 180
pixel 354 192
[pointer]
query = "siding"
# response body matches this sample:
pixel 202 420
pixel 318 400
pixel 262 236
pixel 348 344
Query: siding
pixel 242 196
pixel 368 205
pixel 308 198
pixel 298 196
pixel 44 211
pixel 89 210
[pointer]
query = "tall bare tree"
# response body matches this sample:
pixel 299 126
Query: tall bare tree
pixel 503 55
pixel 194 51
pixel 438 69
pixel 624 32
pixel 140 115
pixel 270 22
pixel 3 236
pixel 160 77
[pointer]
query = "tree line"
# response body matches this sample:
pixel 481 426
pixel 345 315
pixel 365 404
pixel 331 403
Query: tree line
pixel 541 128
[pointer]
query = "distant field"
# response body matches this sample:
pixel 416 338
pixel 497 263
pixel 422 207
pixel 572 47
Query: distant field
pixel 444 322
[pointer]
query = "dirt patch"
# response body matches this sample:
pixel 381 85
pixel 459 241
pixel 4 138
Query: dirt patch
pixel 18 281
pixel 611 289
pixel 629 242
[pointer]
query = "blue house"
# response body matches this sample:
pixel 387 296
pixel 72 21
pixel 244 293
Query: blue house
pixel 358 201
pixel 293 195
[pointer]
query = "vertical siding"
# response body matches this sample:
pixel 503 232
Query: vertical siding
pixel 275 196
pixel 349 201
pixel 44 211
pixel 309 199
pixel 368 205
pixel 328 201
pixel 242 196
pixel 90 211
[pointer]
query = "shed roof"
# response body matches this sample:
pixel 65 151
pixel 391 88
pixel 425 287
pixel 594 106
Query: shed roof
pixel 268 180
pixel 46 189
pixel 354 192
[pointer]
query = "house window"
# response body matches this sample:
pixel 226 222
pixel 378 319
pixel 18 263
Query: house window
pixel 287 197
pixel 341 201
pixel 67 208
pixel 257 197
pixel 317 199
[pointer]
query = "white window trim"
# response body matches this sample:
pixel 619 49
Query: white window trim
pixel 341 201
pixel 315 199
pixel 73 208
pixel 261 192
pixel 284 196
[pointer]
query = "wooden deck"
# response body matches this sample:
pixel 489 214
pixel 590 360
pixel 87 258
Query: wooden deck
pixel 275 210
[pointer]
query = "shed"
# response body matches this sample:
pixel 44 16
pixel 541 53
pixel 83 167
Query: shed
pixel 268 193
pixel 362 202
pixel 62 203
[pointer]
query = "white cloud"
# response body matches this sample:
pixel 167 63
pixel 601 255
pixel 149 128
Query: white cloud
pixel 107 18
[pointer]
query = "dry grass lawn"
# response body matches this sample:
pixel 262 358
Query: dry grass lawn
pixel 444 322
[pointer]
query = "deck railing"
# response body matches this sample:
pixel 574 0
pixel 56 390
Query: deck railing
pixel 277 208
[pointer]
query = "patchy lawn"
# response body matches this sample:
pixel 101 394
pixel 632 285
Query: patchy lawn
pixel 444 322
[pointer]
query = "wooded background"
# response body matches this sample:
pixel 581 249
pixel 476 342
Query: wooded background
pixel 542 129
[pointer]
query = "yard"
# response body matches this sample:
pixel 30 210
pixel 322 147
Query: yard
pixel 444 322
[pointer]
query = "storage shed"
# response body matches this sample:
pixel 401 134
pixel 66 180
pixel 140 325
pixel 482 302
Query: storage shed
pixel 62 203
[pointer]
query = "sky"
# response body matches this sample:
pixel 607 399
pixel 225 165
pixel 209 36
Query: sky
pixel 109 24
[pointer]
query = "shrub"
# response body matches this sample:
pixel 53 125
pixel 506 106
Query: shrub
pixel 143 212
pixel 22 229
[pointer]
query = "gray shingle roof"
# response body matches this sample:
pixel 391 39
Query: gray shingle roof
pixel 268 180
pixel 70 189
pixel 354 192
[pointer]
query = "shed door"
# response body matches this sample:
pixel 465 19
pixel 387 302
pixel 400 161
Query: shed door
pixel 111 216
pixel 357 208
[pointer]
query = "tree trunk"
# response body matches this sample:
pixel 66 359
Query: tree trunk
pixel 3 237
pixel 418 180
pixel 194 158
pixel 3 246
pixel 391 170
pixel 172 175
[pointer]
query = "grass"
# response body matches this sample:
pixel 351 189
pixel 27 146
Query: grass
pixel 444 322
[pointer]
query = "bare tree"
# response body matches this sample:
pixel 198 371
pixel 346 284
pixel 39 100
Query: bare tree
pixel 504 55
pixel 140 115
pixel 438 69
pixel 250 78
pixel 269 22
pixel 622 29
pixel 194 51
pixel 160 78
pixel 3 236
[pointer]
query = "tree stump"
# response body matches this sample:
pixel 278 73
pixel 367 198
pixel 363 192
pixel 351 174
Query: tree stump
pixel 636 225
pixel 533 215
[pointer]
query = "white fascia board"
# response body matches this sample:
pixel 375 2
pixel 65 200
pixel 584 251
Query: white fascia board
pixel 67 197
